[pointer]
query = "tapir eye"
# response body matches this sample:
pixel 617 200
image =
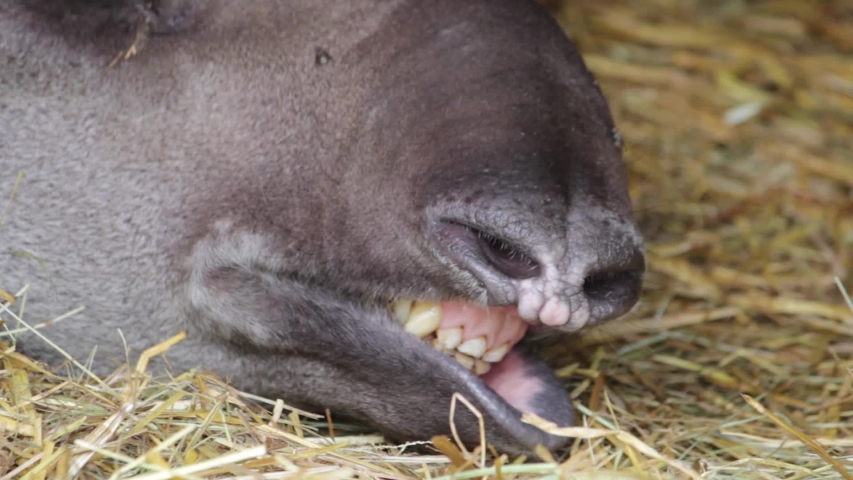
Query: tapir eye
pixel 505 257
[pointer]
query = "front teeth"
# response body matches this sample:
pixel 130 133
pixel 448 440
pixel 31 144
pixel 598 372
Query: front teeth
pixel 402 309
pixel 423 319
pixel 465 360
pixel 449 338
pixel 481 367
pixel 475 347
pixel 496 354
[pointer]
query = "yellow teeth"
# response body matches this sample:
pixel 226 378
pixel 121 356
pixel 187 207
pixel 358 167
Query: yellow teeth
pixel 449 338
pixel 423 319
pixel 476 365
pixel 475 347
pixel 481 367
pixel 402 309
pixel 465 360
pixel 496 354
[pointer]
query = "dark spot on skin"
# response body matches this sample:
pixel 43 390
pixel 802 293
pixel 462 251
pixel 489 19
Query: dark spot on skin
pixel 476 194
pixel 321 56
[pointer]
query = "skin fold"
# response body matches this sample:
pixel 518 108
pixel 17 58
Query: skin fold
pixel 266 175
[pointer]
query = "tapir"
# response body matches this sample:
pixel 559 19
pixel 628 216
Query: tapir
pixel 366 206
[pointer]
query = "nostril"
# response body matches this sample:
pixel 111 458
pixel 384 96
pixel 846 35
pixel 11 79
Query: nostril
pixel 506 258
pixel 600 286
pixel 613 289
pixel 491 256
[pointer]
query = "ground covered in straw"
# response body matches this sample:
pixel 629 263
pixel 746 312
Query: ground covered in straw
pixel 738 122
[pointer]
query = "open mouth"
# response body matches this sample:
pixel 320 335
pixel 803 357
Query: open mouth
pixel 486 341
pixel 476 337
pixel 484 352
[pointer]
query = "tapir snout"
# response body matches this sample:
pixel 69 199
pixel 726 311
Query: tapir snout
pixel 360 205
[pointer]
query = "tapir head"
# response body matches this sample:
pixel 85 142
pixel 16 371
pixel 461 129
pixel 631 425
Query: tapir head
pixel 479 195
pixel 379 231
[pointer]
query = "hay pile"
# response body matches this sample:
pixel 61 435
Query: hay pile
pixel 738 121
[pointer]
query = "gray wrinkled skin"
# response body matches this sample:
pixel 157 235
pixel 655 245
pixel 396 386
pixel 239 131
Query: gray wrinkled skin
pixel 264 174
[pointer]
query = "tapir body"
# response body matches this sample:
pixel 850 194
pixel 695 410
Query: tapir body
pixel 268 175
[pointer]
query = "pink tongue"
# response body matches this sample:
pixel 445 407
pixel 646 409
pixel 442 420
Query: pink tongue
pixel 509 379
pixel 499 325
